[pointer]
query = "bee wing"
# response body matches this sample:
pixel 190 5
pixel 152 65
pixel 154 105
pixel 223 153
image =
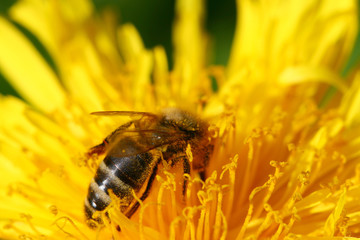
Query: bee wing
pixel 133 142
pixel 125 113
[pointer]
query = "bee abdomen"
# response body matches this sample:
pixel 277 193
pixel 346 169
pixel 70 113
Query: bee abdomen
pixel 98 194
pixel 121 175
pixel 131 170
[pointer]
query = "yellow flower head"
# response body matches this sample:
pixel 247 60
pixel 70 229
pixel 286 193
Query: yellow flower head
pixel 281 167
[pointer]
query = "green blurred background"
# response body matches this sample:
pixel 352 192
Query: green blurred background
pixel 154 21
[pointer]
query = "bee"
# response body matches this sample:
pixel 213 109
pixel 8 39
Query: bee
pixel 135 150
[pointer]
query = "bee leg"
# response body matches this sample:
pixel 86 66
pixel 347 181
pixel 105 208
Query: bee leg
pixel 202 175
pixel 101 148
pixel 98 149
pixel 122 127
pixel 146 192
pixel 186 166
pixel 116 131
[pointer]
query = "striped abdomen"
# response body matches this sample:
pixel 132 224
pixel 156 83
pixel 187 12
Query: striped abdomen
pixel 121 175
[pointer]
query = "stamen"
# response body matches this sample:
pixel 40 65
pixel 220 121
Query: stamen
pixel 65 220
pixel 188 214
pixel 168 184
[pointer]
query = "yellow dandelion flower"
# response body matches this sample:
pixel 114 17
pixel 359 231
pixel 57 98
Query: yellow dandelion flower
pixel 281 166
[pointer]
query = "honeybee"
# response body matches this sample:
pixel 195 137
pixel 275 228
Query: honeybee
pixel 134 151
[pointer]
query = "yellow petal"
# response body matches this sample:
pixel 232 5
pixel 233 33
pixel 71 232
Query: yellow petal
pixel 190 45
pixel 271 35
pixel 350 105
pixel 27 71
pixel 139 63
pixel 330 224
pixel 130 42
pixel 47 20
pixel 301 74
pixel 84 75
pixel 161 80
